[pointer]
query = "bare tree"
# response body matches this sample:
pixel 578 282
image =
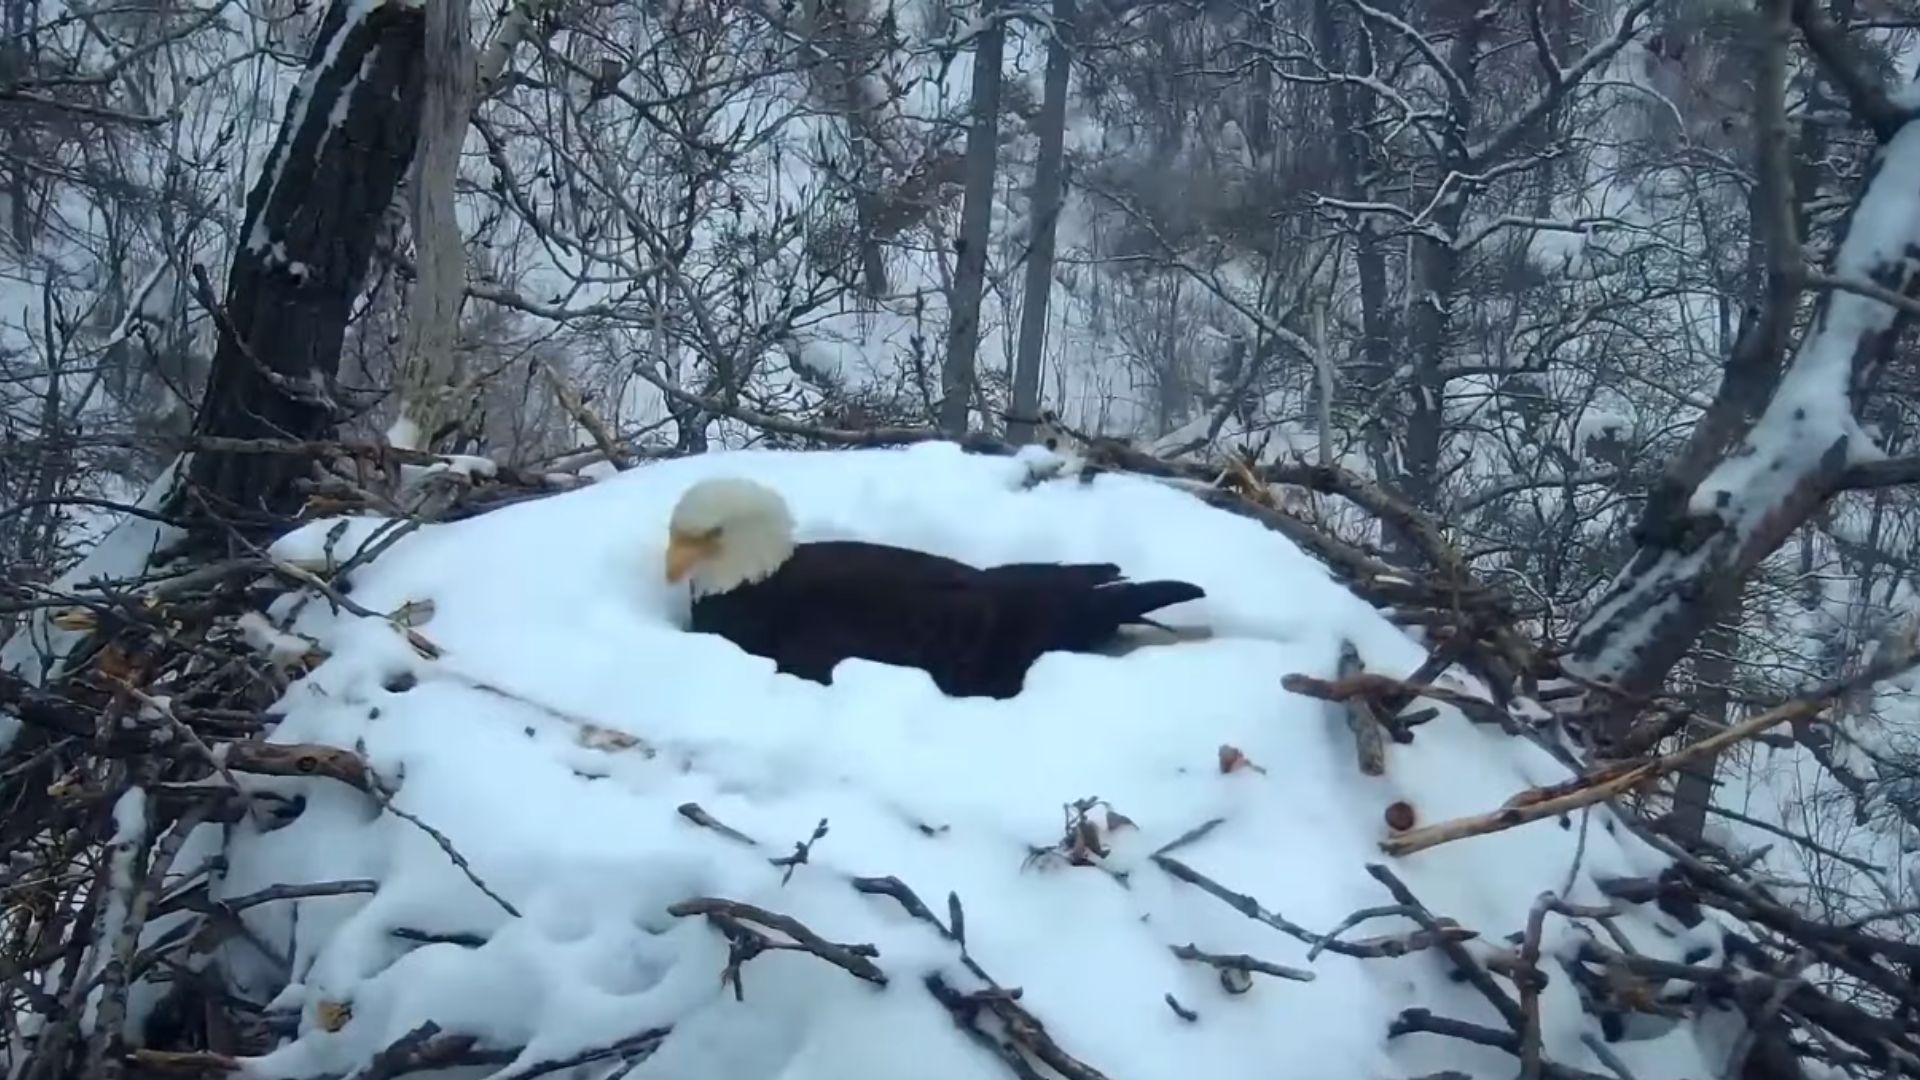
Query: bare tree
pixel 957 380
pixel 432 379
pixel 309 231
pixel 1743 484
pixel 1045 217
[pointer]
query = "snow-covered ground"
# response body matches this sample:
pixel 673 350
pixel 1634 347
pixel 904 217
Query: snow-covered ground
pixel 557 631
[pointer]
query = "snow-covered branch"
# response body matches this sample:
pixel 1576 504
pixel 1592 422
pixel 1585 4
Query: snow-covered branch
pixel 1699 541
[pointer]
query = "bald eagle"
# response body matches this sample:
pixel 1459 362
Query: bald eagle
pixel 808 606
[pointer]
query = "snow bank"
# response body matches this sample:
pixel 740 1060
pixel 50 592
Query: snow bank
pixel 568 720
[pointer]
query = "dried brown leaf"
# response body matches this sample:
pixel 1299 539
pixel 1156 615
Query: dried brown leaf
pixel 332 1015
pixel 1231 759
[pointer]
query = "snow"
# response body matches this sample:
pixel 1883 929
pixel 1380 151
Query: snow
pixel 129 834
pixel 567 720
pixel 1599 424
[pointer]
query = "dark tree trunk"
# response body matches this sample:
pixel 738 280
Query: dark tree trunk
pixel 1436 276
pixel 1352 115
pixel 957 381
pixel 309 232
pixel 1713 674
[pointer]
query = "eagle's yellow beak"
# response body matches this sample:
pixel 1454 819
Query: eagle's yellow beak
pixel 684 552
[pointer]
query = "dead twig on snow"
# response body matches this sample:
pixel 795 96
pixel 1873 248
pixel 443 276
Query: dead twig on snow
pixel 734 918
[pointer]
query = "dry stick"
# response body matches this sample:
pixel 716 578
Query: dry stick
pixel 1529 979
pixel 197 1064
pixel 802 850
pixel 1873 1035
pixel 1191 836
pixel 638 1047
pixel 1835 944
pixel 1023 1030
pixel 1606 1055
pixel 1367 725
pixel 340 600
pixel 1434 932
pixel 576 408
pixel 1370 685
pixel 113 978
pixel 692 812
pixel 426 1048
pixel 62 1033
pixel 1422 1020
pixel 1247 905
pixel 193 739
pixel 297 759
pixel 418 1050
pixel 1620 780
pixel 899 891
pixel 1805 841
pixel 1228 963
pixel 1792 980
pixel 1419 939
pixel 585 725
pixel 732 915
pixel 965 1010
pixel 196 899
pixel 1456 952
pixel 389 533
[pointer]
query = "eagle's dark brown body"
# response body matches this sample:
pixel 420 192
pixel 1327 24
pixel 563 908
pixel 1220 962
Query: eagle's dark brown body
pixel 975 631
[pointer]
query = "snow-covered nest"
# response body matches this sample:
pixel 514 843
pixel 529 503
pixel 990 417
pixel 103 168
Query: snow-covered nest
pixel 568 727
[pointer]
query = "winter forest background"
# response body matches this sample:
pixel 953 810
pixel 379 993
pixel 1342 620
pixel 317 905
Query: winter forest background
pixel 1534 268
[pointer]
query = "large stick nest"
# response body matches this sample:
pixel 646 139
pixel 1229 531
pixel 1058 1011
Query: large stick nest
pixel 157 714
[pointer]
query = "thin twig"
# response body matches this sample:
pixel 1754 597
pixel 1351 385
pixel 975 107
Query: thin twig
pixel 733 918
pixel 384 796
pixel 1241 962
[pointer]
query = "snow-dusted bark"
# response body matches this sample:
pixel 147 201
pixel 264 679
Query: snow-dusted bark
pixel 1699 539
pixel 310 227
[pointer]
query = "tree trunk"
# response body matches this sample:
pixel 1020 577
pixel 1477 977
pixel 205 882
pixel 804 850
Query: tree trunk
pixel 1436 276
pixel 306 239
pixel 1045 208
pixel 1352 116
pixel 1742 485
pixel 432 376
pixel 1265 30
pixel 976 221
pixel 1713 674
pixel 843 49
pixel 1693 791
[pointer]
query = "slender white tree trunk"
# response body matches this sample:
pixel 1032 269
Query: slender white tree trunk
pixel 433 380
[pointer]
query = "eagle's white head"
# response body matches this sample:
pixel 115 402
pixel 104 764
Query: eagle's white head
pixel 726 532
